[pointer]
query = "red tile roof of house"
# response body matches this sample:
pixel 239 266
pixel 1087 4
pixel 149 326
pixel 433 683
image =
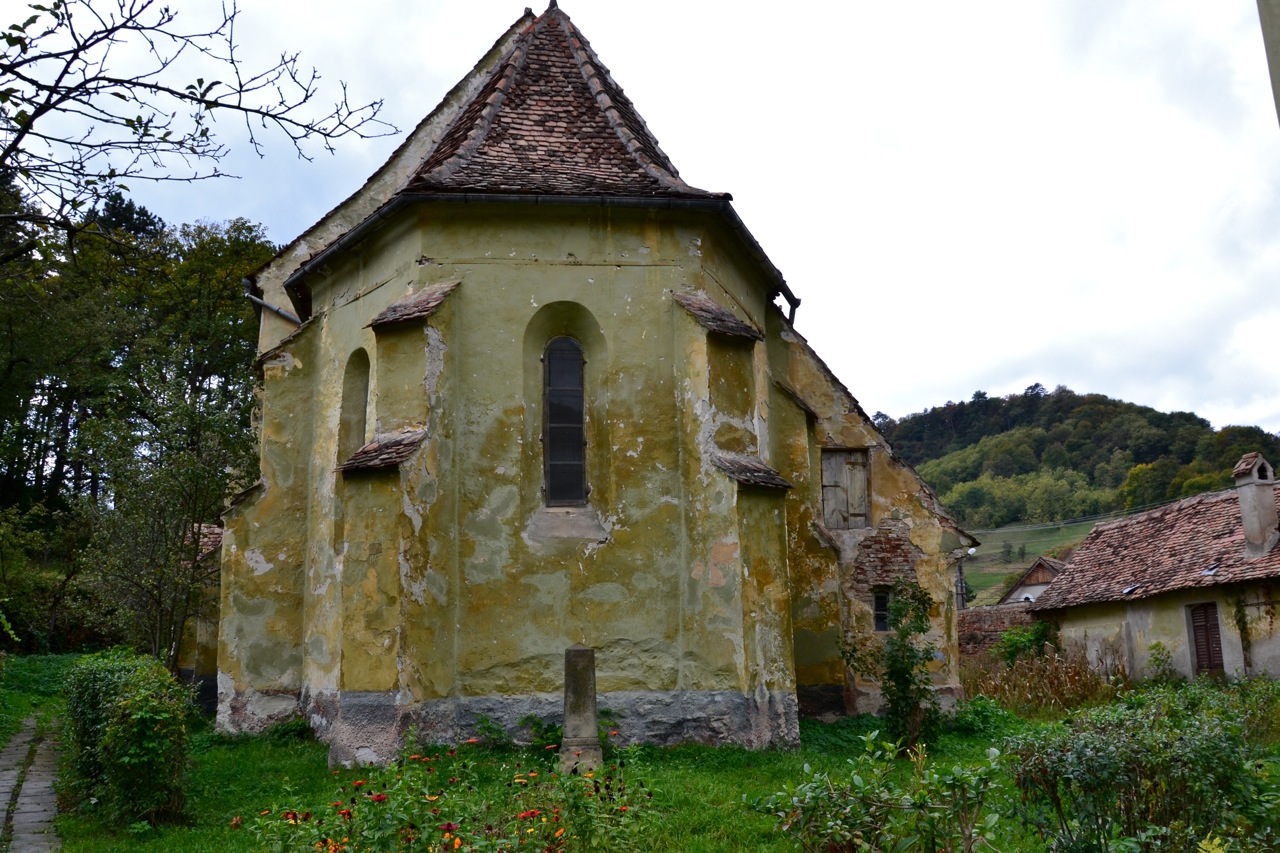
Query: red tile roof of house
pixel 210 539
pixel 550 120
pixel 1197 542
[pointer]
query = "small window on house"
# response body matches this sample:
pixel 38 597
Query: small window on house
pixel 844 489
pixel 880 609
pixel 564 441
pixel 1206 639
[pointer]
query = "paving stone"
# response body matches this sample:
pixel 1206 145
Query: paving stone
pixel 35 807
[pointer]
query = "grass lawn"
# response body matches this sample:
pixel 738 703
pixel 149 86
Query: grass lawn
pixel 987 571
pixel 31 687
pixel 697 806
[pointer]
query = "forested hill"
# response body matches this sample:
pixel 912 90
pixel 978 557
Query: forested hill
pixel 1054 455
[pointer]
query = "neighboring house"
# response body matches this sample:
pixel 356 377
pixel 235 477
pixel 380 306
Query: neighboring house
pixel 1201 577
pixel 528 388
pixel 1034 581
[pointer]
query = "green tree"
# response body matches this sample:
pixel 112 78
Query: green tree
pixel 178 439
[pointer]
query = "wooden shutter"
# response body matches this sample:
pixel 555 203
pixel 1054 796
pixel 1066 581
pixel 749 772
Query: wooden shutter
pixel 1206 640
pixel 844 489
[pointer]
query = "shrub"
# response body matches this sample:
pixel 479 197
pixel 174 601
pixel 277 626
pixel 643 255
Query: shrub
pixel 1160 772
pixel 1160 668
pixel 901 664
pixel 1024 641
pixel 1047 686
pixel 981 716
pixel 128 735
pixel 872 810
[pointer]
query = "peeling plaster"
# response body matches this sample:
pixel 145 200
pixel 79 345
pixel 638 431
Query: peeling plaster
pixel 257 562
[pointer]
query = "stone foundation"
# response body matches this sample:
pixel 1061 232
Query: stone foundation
pixel 368 728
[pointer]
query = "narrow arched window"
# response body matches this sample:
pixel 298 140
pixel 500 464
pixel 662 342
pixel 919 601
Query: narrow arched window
pixel 355 401
pixel 564 438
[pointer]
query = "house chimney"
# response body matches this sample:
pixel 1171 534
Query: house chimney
pixel 1255 486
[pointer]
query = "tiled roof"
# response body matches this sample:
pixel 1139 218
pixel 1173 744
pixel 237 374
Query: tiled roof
pixel 415 306
pixel 1197 542
pixel 550 120
pixel 715 317
pixel 210 539
pixel 749 470
pixel 385 451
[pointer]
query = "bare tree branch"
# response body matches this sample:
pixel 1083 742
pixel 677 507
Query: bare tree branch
pixel 73 128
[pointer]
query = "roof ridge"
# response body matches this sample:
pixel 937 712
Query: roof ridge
pixel 602 85
pixel 454 151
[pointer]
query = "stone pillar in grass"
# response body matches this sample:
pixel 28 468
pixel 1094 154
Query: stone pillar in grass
pixel 581 742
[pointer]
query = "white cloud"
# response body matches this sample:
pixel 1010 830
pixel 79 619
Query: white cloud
pixel 966 196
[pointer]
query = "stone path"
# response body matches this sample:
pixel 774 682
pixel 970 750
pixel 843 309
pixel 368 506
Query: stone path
pixel 28 766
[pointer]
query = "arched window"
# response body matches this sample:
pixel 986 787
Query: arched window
pixel 564 438
pixel 355 400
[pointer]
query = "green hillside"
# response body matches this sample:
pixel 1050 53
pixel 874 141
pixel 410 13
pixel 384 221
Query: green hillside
pixel 1055 456
pixel 1006 552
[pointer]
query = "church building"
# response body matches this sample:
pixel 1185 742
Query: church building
pixel 526 389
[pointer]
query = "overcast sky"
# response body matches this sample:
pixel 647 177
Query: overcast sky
pixel 966 196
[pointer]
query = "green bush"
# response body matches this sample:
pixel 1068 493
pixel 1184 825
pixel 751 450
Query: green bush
pixel 1161 769
pixel 874 809
pixel 981 716
pixel 1024 641
pixel 900 662
pixel 127 730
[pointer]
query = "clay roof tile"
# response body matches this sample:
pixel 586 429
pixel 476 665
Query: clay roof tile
pixel 550 120
pixel 711 315
pixel 415 306
pixel 1197 542
pixel 749 470
pixel 385 451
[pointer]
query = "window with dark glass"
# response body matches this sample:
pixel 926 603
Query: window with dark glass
pixel 880 609
pixel 564 435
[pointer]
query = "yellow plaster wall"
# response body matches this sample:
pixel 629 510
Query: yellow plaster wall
pixel 447 577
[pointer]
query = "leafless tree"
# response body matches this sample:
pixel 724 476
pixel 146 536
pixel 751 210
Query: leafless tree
pixel 92 95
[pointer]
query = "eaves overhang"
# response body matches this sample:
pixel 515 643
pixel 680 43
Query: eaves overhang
pixel 294 285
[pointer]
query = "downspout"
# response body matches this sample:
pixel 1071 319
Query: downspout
pixel 279 312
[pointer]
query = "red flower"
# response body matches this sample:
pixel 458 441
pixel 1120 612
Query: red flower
pixel 378 798
pixel 448 827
